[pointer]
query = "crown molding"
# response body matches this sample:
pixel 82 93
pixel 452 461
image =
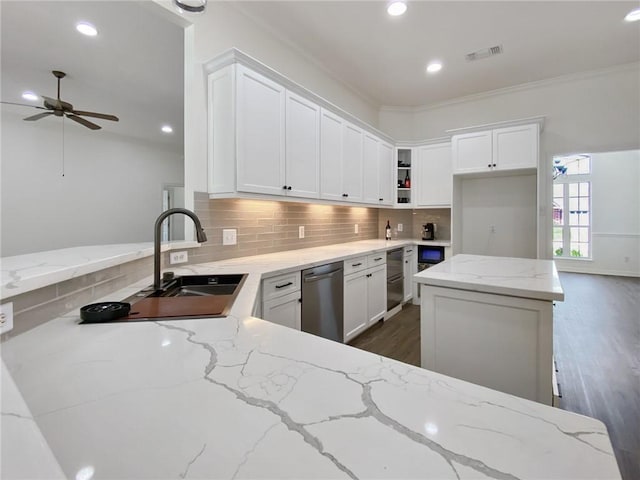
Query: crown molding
pixel 572 77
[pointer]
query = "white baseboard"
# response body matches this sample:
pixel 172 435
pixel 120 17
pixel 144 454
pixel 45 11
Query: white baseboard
pixel 595 271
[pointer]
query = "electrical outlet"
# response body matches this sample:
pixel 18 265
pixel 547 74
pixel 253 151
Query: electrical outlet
pixel 400 227
pixel 178 257
pixel 6 317
pixel 301 231
pixel 229 236
pixel 355 228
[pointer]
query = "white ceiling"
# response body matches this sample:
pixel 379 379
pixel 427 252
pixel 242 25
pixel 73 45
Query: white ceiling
pixel 133 69
pixel 384 58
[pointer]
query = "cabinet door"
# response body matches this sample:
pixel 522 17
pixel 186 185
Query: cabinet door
pixel 410 268
pixel 516 147
pixel 302 147
pixel 434 182
pixel 376 293
pixel 285 311
pixel 331 127
pixel 385 174
pixel 370 170
pixel 472 152
pixel 355 308
pixel 352 163
pixel 260 117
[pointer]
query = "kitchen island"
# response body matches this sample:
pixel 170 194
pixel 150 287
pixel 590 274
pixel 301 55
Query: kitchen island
pixel 489 320
pixel 239 397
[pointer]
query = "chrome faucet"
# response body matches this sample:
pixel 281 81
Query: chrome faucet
pixel 200 236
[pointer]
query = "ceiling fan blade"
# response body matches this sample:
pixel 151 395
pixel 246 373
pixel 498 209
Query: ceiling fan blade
pixel 38 116
pixel 84 122
pixel 23 105
pixel 104 116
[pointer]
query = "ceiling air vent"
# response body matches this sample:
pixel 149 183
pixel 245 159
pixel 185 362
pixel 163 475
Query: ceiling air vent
pixel 484 53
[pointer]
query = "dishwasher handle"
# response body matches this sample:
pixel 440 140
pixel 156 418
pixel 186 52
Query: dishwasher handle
pixel 315 278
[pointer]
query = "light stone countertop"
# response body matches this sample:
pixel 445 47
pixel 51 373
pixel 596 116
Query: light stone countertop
pixel 23 273
pixel 516 277
pixel 239 397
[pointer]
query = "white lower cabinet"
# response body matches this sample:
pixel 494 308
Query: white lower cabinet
pixel 498 341
pixel 355 313
pixel 281 297
pixel 365 299
pixel 410 268
pixel 283 310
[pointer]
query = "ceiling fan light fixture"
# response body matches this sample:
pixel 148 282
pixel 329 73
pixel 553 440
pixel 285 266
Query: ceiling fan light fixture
pixel 32 97
pixel 396 8
pixel 191 6
pixel 633 15
pixel 87 29
pixel 167 129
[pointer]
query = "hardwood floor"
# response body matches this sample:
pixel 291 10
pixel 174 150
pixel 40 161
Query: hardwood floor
pixel 398 338
pixel 597 351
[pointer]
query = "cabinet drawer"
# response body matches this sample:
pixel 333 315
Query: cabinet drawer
pixel 353 265
pixel 279 285
pixel 410 250
pixel 376 259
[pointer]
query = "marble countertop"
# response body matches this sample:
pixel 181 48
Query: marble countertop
pixel 23 273
pixel 239 397
pixel 517 277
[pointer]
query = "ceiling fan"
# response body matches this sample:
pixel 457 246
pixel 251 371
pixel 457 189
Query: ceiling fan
pixel 59 108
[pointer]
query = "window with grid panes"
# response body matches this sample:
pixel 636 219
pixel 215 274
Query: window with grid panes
pixel 572 206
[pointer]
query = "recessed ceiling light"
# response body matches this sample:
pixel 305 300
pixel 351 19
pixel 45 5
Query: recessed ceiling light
pixel 434 67
pixel 87 29
pixel 633 15
pixel 32 97
pixel 396 8
pixel 167 129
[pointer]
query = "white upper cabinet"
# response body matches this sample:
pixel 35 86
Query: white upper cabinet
pixel 385 174
pixel 370 171
pixel 433 175
pixel 516 147
pixel 508 148
pixel 331 128
pixel 472 152
pixel 302 172
pixel 352 155
pixel 260 130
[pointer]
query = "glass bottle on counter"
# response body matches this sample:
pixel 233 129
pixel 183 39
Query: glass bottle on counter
pixel 387 231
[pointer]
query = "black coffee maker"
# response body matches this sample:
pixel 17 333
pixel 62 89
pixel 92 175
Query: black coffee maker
pixel 429 231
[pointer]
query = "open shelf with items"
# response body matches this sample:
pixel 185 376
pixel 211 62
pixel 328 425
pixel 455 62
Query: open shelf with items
pixel 404 177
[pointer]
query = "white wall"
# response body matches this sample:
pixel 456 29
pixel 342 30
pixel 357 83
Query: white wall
pixel 220 28
pixel 498 216
pixel 591 112
pixel 111 191
pixel 615 216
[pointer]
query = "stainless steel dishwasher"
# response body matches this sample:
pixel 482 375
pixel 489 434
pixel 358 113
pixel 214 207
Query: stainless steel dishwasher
pixel 322 301
pixel 395 278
